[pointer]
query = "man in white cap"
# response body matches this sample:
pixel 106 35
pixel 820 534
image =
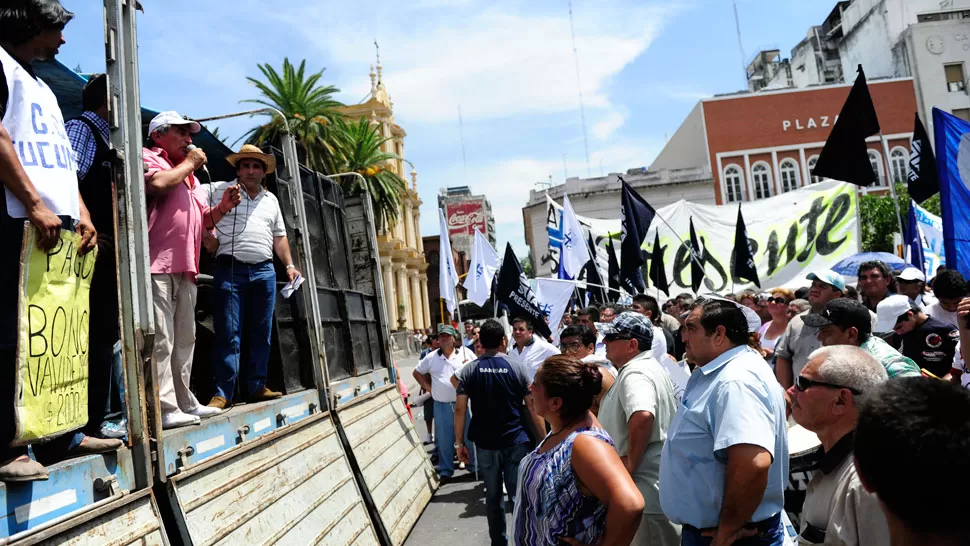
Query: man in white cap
pixel 911 282
pixel 800 340
pixel 176 218
pixel 244 279
pixel 929 342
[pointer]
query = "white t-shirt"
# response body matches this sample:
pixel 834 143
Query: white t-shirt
pixel 441 370
pixel 248 231
pixel 940 313
pixel 659 345
pixel 533 354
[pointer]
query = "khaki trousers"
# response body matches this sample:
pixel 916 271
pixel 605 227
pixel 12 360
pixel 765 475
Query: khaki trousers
pixel 174 298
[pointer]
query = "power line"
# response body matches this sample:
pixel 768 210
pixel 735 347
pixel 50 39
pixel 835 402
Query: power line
pixel 579 86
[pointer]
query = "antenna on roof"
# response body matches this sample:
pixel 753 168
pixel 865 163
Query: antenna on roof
pixel 579 86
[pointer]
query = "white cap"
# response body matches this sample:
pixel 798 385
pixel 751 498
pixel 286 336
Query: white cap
pixel 889 310
pixel 172 117
pixel 911 274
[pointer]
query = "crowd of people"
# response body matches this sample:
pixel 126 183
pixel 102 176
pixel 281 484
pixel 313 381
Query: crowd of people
pixel 671 424
pixel 239 222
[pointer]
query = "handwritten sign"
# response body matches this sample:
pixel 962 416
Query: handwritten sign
pixel 52 362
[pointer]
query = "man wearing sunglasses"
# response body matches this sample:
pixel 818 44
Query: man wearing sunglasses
pixel 847 322
pixel 825 397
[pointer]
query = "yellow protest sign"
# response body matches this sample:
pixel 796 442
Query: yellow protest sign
pixel 51 395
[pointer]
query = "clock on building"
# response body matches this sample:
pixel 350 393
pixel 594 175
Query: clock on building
pixel 935 44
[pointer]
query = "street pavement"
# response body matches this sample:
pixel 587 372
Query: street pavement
pixel 456 513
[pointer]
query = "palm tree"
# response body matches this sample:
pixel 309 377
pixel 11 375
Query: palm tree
pixel 361 152
pixel 310 111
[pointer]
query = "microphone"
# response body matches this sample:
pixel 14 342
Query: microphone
pixel 205 169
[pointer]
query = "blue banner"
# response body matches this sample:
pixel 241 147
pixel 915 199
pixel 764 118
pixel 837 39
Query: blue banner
pixel 953 164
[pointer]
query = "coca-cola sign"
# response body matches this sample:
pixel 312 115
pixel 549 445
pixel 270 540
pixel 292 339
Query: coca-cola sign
pixel 464 217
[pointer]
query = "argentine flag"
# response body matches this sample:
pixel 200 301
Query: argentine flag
pixel 953 164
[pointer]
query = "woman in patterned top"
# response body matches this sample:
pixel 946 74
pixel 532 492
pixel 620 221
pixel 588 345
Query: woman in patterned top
pixel 573 488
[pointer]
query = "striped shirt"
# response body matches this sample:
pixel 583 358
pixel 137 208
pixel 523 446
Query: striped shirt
pixel 549 504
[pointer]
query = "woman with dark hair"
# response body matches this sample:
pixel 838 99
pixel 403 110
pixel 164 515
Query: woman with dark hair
pixel 573 488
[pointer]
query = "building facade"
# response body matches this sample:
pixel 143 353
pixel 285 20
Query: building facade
pixel 400 246
pixel 432 248
pixel 464 214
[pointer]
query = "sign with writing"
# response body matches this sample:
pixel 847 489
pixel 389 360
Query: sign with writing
pixel 51 395
pixel 813 122
pixel 464 217
pixel 810 228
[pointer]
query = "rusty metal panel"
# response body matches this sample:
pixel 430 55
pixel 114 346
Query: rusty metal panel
pixel 295 489
pixel 137 523
pixel 391 457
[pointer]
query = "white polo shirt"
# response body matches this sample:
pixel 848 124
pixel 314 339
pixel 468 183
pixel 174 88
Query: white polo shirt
pixel 533 354
pixel 441 369
pixel 248 231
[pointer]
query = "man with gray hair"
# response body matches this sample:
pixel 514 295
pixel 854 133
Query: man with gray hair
pixel 825 398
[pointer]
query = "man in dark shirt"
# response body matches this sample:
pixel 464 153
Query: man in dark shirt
pixel 931 343
pixel 498 386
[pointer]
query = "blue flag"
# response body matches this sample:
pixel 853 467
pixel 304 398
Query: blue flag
pixel 953 167
pixel 914 240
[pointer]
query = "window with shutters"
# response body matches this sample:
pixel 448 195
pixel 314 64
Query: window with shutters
pixel 899 159
pixel 788 171
pixel 875 159
pixel 811 166
pixel 733 183
pixel 761 176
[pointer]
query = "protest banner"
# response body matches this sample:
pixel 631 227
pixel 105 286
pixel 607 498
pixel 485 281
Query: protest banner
pixel 51 381
pixel 810 228
pixel 931 234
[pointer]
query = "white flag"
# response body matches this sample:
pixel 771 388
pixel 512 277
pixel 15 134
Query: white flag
pixel 478 283
pixel 553 297
pixel 575 253
pixel 447 275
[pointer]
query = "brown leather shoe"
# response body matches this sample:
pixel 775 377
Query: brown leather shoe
pixel 219 402
pixel 91 445
pixel 22 469
pixel 265 394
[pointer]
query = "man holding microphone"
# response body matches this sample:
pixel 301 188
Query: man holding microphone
pixel 244 279
pixel 176 219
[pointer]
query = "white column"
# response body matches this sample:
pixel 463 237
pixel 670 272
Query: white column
pixel 409 226
pixel 806 176
pixel 425 304
pixel 416 213
pixel 747 177
pixel 774 166
pixel 390 294
pixel 402 290
pixel 416 309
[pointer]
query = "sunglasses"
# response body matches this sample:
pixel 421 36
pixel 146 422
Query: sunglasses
pixel 778 300
pixel 803 383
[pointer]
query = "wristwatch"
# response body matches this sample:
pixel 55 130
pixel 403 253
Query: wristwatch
pixel 459 445
pixel 290 266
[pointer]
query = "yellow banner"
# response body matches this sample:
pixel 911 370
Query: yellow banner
pixel 52 362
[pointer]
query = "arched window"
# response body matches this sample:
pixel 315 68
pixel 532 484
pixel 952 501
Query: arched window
pixel 788 171
pixel 899 159
pixel 734 183
pixel 876 160
pixel 761 176
pixel 811 165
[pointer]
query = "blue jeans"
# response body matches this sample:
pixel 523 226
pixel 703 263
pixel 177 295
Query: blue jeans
pixel 498 466
pixel 444 438
pixel 774 536
pixel 244 296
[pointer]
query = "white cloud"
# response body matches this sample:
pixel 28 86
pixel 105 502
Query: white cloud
pixel 495 62
pixel 606 127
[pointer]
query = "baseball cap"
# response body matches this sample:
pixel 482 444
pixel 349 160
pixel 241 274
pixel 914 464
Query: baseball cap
pixel 889 310
pixel 911 274
pixel 844 313
pixel 829 277
pixel 629 323
pixel 447 329
pixel 171 117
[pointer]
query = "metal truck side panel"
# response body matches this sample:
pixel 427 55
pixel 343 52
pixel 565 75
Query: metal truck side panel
pixel 137 523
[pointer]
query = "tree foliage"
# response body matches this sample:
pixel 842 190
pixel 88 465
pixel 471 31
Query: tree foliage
pixel 878 216
pixel 362 152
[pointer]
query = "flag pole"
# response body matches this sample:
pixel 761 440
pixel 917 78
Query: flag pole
pixel 892 184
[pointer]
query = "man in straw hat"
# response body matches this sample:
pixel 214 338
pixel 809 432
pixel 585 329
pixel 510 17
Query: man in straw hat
pixel 176 217
pixel 244 278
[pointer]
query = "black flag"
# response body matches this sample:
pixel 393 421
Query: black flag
pixel 637 216
pixel 658 273
pixel 613 272
pixel 845 156
pixel 696 262
pixel 743 265
pixel 514 291
pixel 595 294
pixel 923 180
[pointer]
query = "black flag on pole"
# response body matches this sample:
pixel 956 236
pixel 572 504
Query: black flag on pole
pixel 743 266
pixel 514 291
pixel 658 272
pixel 923 181
pixel 595 294
pixel 696 262
pixel 845 156
pixel 637 216
pixel 613 272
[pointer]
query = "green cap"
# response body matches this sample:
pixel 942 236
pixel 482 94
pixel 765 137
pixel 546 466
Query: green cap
pixel 447 329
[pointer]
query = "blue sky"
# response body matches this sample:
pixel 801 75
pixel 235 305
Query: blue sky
pixel 508 64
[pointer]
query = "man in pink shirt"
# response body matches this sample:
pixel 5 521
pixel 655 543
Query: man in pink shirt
pixel 176 219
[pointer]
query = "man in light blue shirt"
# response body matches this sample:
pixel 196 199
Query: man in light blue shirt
pixel 725 463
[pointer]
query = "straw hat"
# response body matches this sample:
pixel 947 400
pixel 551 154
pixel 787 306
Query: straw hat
pixel 248 151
